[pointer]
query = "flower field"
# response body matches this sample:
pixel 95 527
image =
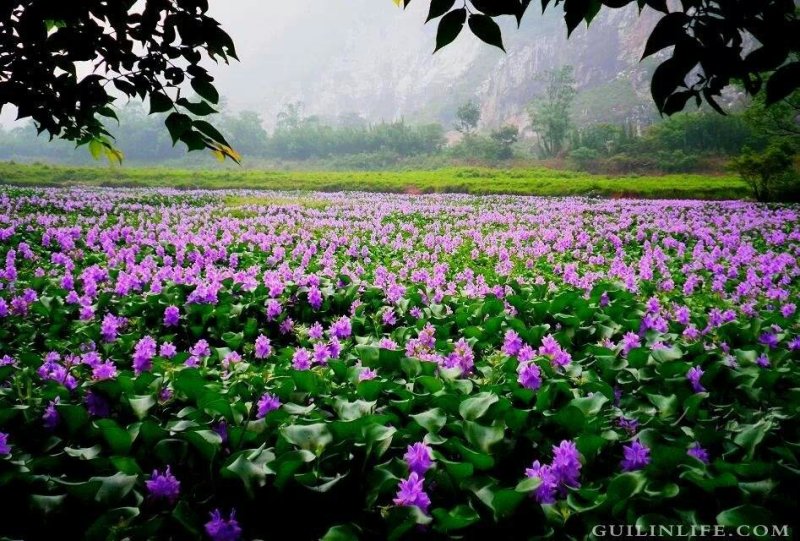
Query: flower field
pixel 229 365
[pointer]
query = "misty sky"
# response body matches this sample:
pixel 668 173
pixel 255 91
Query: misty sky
pixel 371 58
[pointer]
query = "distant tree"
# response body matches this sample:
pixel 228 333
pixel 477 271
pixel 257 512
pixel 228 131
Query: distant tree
pixel 780 120
pixel 764 171
pixel 703 131
pixel 550 114
pixel 246 130
pixel 467 118
pixel 505 138
pixel 291 115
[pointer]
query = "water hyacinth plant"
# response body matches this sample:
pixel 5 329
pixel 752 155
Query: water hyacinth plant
pixel 390 366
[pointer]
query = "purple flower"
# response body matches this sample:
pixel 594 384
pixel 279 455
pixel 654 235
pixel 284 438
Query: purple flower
pixel 334 348
pixel 267 403
pixel 164 486
pixel 698 452
pixel 315 331
pixel 566 465
pixel 629 342
pixel 546 491
pixel 231 358
pixel 629 425
pixel 201 349
pixel 301 360
pixel 273 309
pixel 410 493
pixel 50 417
pixel 110 327
pixel 367 374
pixel 530 376
pixel 286 326
pixel 221 429
pixel 104 371
pixel 220 529
pixel 143 354
pixel 341 328
pixel 636 456
pixel 171 316
pixel 5 448
pixel 418 458
pixel 263 347
pixel 762 361
pixel 315 298
pixel 558 476
pixel 321 353
pixel 389 318
pixel 769 339
pixel 511 343
pixel 167 350
pixel 97 405
pixel 693 375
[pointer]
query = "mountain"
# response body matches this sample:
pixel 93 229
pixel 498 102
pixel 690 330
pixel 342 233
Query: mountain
pixel 370 58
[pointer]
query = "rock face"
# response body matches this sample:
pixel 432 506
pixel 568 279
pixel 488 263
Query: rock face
pixel 376 61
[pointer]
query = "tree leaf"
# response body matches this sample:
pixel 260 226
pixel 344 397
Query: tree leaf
pixel 487 30
pixel 450 27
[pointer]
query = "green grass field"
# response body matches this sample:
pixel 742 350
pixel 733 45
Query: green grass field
pixel 529 181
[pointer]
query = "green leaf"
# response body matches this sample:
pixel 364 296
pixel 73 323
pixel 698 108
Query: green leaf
pixel 114 488
pixel 159 103
pixel 749 515
pixel 205 90
pixel 342 532
pixel 450 27
pixel 590 405
pixel 117 438
pixel 207 442
pixel 457 518
pixel 177 125
pixel 312 437
pixel 439 8
pixel 96 148
pixel 529 484
pixel 571 418
pixel 506 501
pixel 486 29
pixel 625 485
pixel 432 420
pixel 47 504
pixel 141 405
pixel 751 435
pixel 667 405
pixel 474 408
pixel 483 437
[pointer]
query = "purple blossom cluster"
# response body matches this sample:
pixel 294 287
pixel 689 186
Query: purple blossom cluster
pixel 560 475
pixel 410 491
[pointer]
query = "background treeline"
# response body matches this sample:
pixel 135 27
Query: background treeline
pixel 758 142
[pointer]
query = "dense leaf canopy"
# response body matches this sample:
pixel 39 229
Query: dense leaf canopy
pixel 62 64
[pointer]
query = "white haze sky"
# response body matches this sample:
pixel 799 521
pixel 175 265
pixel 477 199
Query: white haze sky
pixel 338 55
pixel 282 43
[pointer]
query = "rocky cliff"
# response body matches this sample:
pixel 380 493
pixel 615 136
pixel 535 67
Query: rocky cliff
pixel 372 59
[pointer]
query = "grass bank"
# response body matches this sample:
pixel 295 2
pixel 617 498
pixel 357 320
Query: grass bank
pixel 527 181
